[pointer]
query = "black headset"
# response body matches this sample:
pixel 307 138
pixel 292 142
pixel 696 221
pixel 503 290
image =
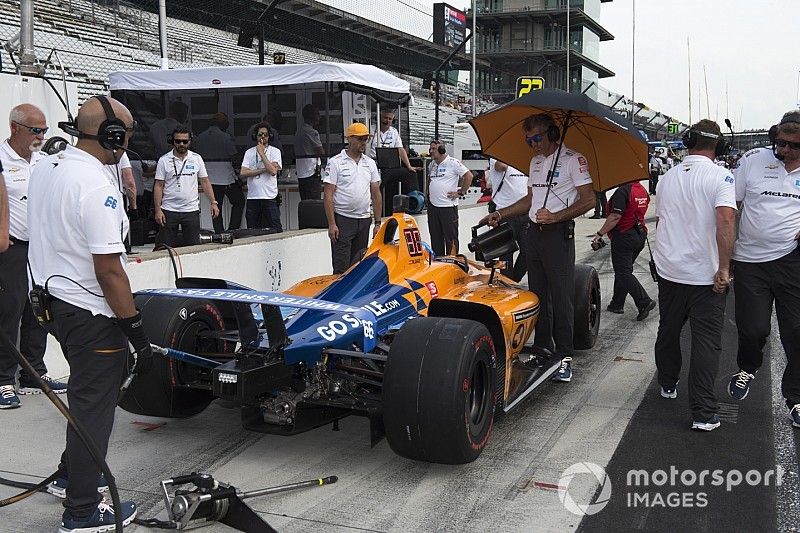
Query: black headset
pixel 171 136
pixel 111 132
pixel 791 118
pixel 691 137
pixel 553 133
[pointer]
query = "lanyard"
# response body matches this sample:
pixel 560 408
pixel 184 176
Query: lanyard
pixel 175 169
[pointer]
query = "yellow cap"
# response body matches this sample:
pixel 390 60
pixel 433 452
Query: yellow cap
pixel 356 129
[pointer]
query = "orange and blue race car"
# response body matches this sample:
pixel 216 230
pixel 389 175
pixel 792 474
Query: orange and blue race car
pixel 431 349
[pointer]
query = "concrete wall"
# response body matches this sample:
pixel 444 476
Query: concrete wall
pixel 271 263
pixel 28 90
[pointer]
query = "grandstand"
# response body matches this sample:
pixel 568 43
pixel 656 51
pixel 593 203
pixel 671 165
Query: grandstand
pixel 95 37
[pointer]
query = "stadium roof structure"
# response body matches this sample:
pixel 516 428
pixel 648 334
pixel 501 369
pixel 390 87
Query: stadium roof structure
pixel 313 26
pixel 364 79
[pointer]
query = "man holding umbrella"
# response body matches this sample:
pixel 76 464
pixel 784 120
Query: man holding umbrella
pixel 559 189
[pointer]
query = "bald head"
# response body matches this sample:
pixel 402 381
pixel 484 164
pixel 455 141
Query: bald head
pixel 26 114
pixel 91 115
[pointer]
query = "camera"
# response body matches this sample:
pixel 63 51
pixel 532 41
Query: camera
pixel 600 243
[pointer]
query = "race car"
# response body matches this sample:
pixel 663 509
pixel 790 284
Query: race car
pixel 431 349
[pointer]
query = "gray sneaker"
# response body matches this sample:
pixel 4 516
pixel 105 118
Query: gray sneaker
pixel 8 397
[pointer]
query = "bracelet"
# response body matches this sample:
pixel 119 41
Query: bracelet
pixel 377 221
pixel 599 234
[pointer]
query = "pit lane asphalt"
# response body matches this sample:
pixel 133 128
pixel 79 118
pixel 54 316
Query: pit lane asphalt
pixel 610 415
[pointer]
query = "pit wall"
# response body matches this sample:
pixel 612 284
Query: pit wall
pixel 269 263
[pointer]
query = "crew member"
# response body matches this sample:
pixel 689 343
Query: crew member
pixel 19 155
pixel 551 237
pixel 308 148
pixel 77 226
pixel 656 168
pixel 3 212
pixel 450 180
pixel 216 147
pixel 175 193
pixel 387 136
pixel 767 258
pixel 351 182
pixel 695 217
pixel 626 228
pixel 509 185
pixel 260 168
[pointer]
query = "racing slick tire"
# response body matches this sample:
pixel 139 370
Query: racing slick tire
pixel 439 390
pixel 587 307
pixel 174 323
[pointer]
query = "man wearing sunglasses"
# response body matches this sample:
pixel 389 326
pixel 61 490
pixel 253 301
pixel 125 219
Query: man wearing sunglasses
pixel 551 238
pixel 19 155
pixel 767 258
pixel 260 168
pixel 175 195
pixel 351 189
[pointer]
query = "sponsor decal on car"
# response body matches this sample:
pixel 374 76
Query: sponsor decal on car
pixel 525 314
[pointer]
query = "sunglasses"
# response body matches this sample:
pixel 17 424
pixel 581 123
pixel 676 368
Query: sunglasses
pixel 535 138
pixel 35 131
pixel 262 134
pixel 181 141
pixel 782 143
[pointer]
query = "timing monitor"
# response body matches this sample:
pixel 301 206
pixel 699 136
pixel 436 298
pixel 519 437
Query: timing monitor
pixel 387 158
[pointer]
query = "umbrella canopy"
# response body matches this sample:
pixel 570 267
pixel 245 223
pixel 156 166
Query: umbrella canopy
pixel 614 149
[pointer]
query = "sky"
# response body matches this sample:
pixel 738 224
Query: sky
pixel 748 51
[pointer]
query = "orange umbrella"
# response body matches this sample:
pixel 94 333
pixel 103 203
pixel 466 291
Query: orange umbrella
pixel 613 147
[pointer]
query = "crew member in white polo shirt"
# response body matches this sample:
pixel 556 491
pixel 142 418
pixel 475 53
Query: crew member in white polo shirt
pixel 216 147
pixel 19 155
pixel 175 195
pixel 550 252
pixel 352 192
pixel 387 136
pixel 695 217
pixel 260 168
pixel 509 186
pixel 767 258
pixel 77 227
pixel 450 180
pixel 308 149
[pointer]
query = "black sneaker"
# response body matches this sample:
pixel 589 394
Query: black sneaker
pixel 739 385
pixel 706 425
pixel 615 310
pixel 644 312
pixel 670 392
pixel 794 412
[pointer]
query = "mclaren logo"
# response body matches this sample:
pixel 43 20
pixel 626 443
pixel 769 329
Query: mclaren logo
pixel 781 194
pixel 182 313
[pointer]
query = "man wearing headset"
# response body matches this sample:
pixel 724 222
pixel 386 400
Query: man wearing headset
pixel 695 219
pixel 551 237
pixel 260 168
pixel 20 154
pixel 767 258
pixel 175 196
pixel 449 181
pixel 77 226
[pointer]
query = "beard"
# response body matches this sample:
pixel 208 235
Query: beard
pixel 36 145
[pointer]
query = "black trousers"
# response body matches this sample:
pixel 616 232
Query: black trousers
pixel 264 214
pixel 353 238
pixel 443 227
pixel 310 188
pixel 653 182
pixel 551 276
pixel 96 350
pixel 189 224
pixel 625 248
pixel 516 269
pixel 600 203
pixel 705 311
pixel 16 317
pixel 236 198
pixel 757 286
